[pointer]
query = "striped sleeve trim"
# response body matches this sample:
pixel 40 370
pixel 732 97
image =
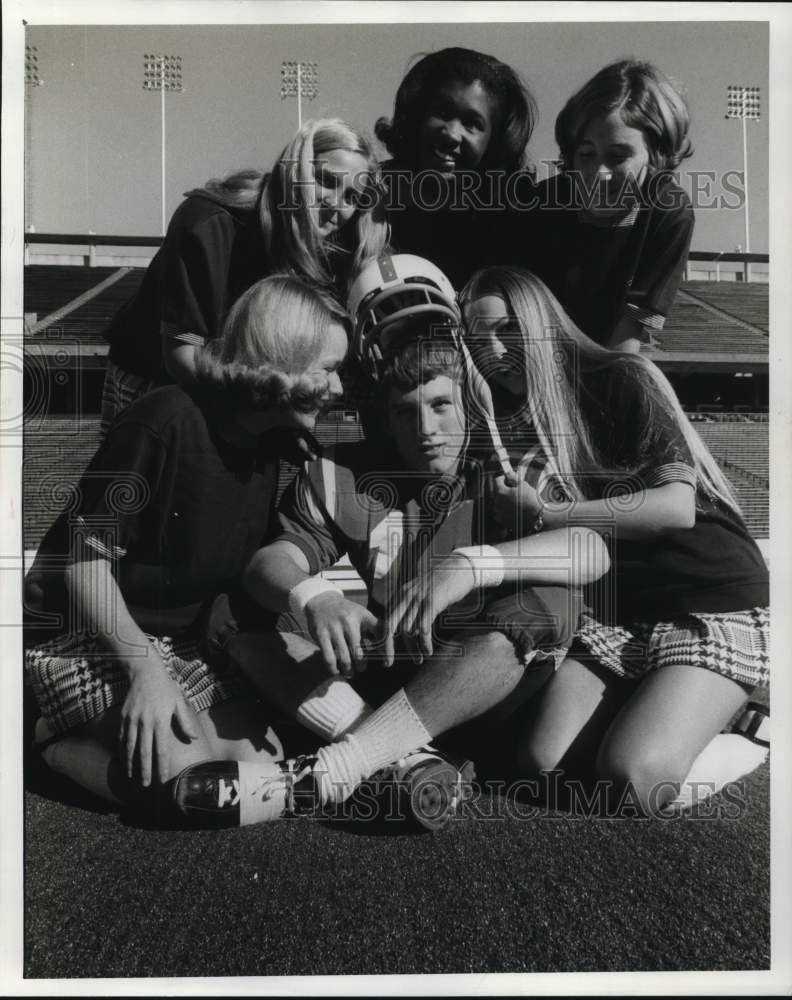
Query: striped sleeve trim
pixel 672 472
pixel 94 542
pixel 106 551
pixel 174 334
pixel 652 320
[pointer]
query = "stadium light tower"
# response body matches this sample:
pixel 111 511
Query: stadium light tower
pixel 162 73
pixel 32 80
pixel 744 103
pixel 299 79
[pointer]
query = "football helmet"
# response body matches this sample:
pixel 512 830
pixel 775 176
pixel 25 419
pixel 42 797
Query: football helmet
pixel 388 294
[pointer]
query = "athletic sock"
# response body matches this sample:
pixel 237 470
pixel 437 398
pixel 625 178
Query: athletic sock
pixel 386 735
pixel 262 792
pixel 726 758
pixel 332 709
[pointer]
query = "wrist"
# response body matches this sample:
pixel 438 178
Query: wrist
pixel 487 563
pixel 306 590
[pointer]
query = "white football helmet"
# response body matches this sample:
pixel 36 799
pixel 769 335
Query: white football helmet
pixel 391 290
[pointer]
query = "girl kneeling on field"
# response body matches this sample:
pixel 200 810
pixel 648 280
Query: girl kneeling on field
pixel 671 648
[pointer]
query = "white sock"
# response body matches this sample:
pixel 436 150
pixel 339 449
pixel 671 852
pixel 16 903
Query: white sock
pixel 386 735
pixel 263 792
pixel 332 709
pixel 390 733
pixel 726 758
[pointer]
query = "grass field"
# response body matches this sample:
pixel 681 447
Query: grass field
pixel 498 890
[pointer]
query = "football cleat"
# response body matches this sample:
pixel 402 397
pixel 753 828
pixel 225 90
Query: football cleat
pixel 433 785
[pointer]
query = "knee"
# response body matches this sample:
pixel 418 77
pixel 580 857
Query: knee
pixel 537 752
pixel 644 777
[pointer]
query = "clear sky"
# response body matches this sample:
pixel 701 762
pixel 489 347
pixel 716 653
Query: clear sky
pixel 94 133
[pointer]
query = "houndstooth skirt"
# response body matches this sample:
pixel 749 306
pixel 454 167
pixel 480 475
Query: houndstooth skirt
pixel 735 644
pixel 74 680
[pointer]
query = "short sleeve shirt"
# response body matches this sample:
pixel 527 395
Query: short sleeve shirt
pixel 603 269
pixel 176 509
pixel 388 523
pixel 715 566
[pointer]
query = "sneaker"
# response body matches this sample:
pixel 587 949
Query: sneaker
pixel 230 793
pixel 432 784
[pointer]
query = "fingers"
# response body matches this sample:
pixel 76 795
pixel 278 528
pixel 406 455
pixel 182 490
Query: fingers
pixel 186 721
pixel 327 650
pixel 160 749
pixel 351 633
pixel 388 650
pixel 145 738
pixel 128 741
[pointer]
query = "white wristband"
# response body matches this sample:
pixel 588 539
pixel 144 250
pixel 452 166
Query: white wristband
pixel 488 564
pixel 304 591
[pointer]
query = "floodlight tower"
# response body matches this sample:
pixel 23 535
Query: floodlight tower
pixel 744 103
pixel 162 73
pixel 32 80
pixel 299 79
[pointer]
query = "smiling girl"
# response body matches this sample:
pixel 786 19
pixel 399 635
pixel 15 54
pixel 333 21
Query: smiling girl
pixel 614 227
pixel 677 636
pixel 460 126
pixel 316 214
pixel 120 646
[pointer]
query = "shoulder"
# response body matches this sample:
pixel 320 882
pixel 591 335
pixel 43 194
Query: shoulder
pixel 353 487
pixel 201 212
pixel 664 197
pixel 555 191
pixel 163 413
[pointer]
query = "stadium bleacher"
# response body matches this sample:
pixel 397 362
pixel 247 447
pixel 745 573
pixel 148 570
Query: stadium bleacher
pixel 48 289
pixel 744 300
pixel 718 318
pixel 691 327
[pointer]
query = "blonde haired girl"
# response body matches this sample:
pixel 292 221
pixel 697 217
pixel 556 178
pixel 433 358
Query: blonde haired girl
pixel 316 214
pixel 123 625
pixel 671 647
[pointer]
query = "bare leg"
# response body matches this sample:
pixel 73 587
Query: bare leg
pixel 241 730
pixel 565 724
pixel 663 728
pixel 232 730
pixel 450 690
pixel 283 666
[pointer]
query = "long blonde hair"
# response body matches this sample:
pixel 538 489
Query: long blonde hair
pixel 290 234
pixel 559 361
pixel 274 333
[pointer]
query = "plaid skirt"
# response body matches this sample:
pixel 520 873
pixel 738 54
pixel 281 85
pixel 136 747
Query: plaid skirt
pixel 119 390
pixel 735 644
pixel 74 680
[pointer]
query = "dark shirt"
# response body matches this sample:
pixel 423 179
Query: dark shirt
pixel 602 269
pixel 455 222
pixel 715 566
pixel 211 255
pixel 177 509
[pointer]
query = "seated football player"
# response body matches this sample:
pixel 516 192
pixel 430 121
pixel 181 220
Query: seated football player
pixel 455 626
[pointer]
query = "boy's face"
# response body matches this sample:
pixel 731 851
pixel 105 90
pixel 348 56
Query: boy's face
pixel 428 425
